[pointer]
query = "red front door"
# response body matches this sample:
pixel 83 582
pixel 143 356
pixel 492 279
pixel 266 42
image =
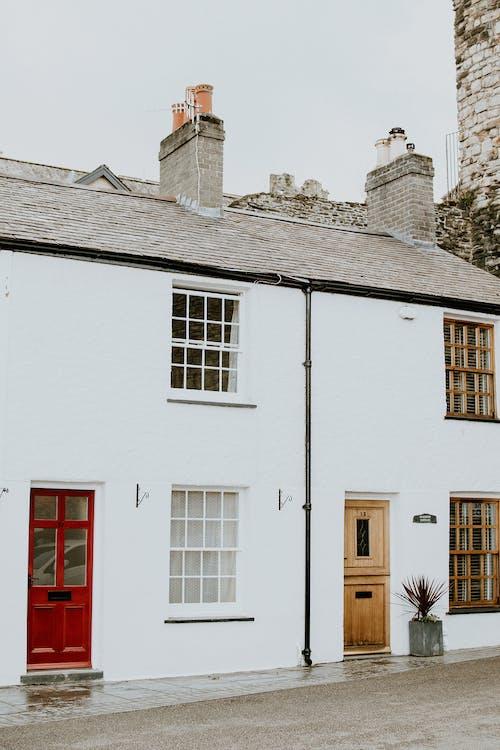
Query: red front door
pixel 60 578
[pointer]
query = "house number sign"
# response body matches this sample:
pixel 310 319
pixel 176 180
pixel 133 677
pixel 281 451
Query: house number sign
pixel 425 518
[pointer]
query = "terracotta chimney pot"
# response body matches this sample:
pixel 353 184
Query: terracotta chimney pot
pixel 179 115
pixel 203 93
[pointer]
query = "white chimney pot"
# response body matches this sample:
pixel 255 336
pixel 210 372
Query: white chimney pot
pixel 382 146
pixel 397 145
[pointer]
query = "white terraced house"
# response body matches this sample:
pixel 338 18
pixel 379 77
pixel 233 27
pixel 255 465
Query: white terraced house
pixel 227 437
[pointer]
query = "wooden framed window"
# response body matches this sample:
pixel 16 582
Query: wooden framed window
pixel 205 341
pixel 203 546
pixel 470 373
pixel 474 578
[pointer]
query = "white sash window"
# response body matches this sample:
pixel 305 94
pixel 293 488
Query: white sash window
pixel 203 546
pixel 205 341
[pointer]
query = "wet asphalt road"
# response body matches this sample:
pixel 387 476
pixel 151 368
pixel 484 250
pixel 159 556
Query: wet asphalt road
pixel 448 706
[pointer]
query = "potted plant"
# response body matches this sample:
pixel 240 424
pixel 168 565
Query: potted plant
pixel 426 630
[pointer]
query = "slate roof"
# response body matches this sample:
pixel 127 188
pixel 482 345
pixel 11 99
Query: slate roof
pixel 136 226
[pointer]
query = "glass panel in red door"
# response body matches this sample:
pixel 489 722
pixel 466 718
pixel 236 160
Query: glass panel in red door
pixel 60 578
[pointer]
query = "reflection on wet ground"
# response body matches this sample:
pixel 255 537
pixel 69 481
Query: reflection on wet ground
pixel 30 704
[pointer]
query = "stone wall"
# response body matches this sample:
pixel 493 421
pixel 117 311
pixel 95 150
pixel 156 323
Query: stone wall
pixel 477 51
pixel 300 206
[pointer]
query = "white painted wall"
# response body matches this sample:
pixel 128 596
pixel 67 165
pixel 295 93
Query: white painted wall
pixel 83 401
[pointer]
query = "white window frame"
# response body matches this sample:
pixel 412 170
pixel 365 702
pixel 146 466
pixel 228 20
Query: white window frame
pixel 215 288
pixel 204 609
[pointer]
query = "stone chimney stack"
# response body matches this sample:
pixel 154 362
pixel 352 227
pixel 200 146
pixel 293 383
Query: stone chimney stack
pixel 399 191
pixel 191 157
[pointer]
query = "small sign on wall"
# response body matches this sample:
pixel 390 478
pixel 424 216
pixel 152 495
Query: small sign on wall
pixel 425 518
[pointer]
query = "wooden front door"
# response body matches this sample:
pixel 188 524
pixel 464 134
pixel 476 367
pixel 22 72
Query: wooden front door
pixel 60 578
pixel 366 576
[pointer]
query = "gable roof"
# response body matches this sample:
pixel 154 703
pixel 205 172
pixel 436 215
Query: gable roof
pixel 103 171
pixel 30 170
pixel 121 227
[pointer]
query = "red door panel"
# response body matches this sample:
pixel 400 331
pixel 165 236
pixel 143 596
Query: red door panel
pixel 60 578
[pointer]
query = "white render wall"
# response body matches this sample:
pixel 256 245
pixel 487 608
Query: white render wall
pixel 84 379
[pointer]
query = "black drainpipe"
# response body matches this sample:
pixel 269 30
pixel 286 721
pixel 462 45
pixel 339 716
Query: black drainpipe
pixel 306 652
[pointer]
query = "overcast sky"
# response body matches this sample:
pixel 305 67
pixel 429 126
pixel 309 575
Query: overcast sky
pixel 304 86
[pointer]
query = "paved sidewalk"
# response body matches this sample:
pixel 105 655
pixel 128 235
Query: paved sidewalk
pixel 27 705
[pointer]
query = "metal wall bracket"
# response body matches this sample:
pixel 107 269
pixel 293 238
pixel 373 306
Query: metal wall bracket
pixel 140 498
pixel 283 499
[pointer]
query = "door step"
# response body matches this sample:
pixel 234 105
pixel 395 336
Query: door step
pixel 52 676
pixel 366 654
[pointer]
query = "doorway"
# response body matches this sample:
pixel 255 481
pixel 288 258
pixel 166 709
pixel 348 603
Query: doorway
pixel 60 578
pixel 366 576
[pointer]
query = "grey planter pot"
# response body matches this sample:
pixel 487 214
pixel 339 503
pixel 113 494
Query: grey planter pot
pixel 426 638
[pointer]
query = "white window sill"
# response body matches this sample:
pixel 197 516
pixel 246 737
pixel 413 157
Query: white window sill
pixel 208 618
pixel 181 399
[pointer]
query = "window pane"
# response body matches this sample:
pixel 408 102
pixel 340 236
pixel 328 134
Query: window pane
pixel 192 590
pixel 228 589
pixel 229 381
pixel 211 563
pixel 484 337
pixel 362 537
pixel 210 590
pixel 76 508
pixel 230 505
pixel 196 307
pixel 45 508
pixel 178 504
pixel 177 377
pixel 193 378
pixel 44 556
pixel 195 504
pixel 214 504
pixel 212 534
pixel 178 329
pixel 475 590
pixel 231 335
pixel 196 331
pixel 75 557
pixel 179 305
pixel 212 380
pixel 214 308
pixel 477 516
pixel 214 332
pixel 212 358
pixel 175 596
pixel 231 311
pixel 176 563
pixel 194 356
pixel 195 533
pixel 228 563
pixel 192 563
pixel 178 533
pixel 230 534
pixel 178 355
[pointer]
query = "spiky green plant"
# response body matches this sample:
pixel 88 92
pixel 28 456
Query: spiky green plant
pixel 422 594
